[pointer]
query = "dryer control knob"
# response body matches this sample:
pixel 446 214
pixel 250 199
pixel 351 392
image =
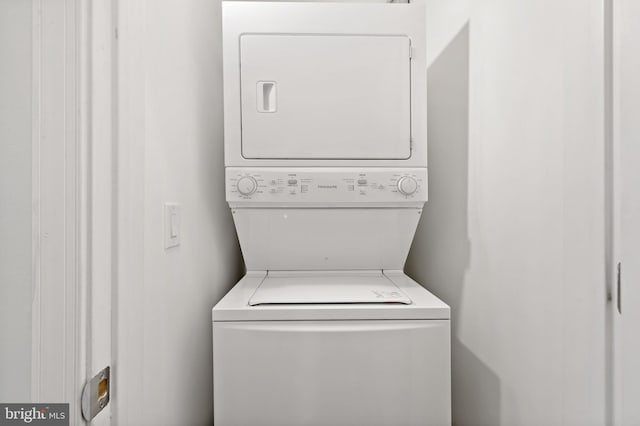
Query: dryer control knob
pixel 407 185
pixel 247 185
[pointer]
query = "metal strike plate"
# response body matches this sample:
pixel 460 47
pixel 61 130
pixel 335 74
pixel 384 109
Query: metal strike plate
pixel 95 395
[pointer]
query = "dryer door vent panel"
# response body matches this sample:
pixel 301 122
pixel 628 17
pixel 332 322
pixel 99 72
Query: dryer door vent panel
pixel 325 96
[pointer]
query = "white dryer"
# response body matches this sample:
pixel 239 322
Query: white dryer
pixel 325 148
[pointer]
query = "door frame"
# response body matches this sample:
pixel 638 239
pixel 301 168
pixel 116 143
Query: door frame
pixel 72 198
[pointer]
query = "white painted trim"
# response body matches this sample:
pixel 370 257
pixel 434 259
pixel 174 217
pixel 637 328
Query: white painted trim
pixel 100 188
pixel 35 194
pixel 73 210
pixel 84 205
pixel 128 302
pixel 612 169
pixel 611 221
pixel 56 367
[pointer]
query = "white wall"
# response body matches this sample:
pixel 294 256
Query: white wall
pixel 512 235
pixel 15 199
pixel 165 348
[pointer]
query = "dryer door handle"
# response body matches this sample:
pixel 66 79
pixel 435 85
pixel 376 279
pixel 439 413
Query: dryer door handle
pixel 266 96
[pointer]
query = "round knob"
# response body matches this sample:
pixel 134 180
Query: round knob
pixel 247 185
pixel 407 185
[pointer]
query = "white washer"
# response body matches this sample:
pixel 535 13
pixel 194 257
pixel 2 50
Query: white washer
pixel 326 177
pixel 323 363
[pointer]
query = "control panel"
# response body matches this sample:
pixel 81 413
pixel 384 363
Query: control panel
pixel 326 184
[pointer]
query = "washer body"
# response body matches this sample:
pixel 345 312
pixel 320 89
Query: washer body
pixel 348 363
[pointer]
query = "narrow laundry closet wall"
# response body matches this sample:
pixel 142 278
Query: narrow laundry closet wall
pixel 164 358
pixel 512 236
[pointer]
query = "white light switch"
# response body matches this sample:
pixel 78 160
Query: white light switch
pixel 171 225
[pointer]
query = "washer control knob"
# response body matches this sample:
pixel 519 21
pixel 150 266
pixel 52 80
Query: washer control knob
pixel 407 185
pixel 247 185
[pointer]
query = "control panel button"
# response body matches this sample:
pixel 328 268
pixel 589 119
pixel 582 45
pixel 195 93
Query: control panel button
pixel 293 182
pixel 407 185
pixel 362 181
pixel 247 185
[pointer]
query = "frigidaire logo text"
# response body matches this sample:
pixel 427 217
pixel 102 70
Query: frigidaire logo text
pixel 328 186
pixel 28 415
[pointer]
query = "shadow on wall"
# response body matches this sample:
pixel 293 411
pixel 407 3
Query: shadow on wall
pixel 210 158
pixel 439 257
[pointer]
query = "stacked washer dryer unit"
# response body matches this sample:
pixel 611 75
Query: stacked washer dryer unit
pixel 326 155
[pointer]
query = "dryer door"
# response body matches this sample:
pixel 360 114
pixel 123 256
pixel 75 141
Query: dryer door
pixel 325 96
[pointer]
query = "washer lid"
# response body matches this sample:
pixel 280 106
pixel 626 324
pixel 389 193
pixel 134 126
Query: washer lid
pixel 327 289
pixel 235 305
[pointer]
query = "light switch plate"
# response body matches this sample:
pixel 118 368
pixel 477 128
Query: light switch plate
pixel 172 223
